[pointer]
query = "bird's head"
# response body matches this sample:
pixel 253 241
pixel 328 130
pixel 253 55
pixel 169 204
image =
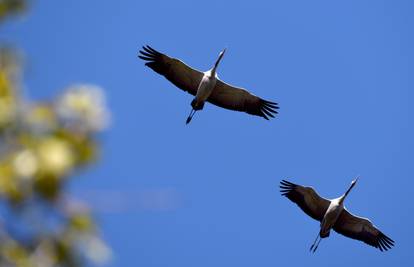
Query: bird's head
pixel 354 181
pixel 222 52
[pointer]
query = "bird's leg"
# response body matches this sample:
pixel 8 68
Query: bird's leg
pixel 192 112
pixel 317 245
pixel 314 242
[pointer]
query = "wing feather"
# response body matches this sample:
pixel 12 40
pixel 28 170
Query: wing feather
pixel 239 99
pixel 306 198
pixel 177 72
pixel 362 229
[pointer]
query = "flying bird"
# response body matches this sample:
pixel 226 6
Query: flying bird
pixel 333 215
pixel 206 86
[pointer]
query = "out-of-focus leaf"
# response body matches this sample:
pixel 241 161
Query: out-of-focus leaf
pixel 9 187
pixel 47 186
pixel 81 222
pixel 40 118
pixel 15 254
pixel 11 7
pixel 7 101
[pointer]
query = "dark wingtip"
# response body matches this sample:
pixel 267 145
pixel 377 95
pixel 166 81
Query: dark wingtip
pixel 147 53
pixel 287 182
pixel 268 109
pixel 388 242
pixel 267 112
pixel 286 187
pixel 144 58
pixel 384 243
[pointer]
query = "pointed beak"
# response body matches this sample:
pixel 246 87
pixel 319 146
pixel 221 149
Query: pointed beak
pixel 355 180
pixel 222 53
pixel 219 58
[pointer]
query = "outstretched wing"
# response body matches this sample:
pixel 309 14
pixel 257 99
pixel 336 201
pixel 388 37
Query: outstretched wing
pixel 181 75
pixel 306 198
pixel 239 99
pixel 362 229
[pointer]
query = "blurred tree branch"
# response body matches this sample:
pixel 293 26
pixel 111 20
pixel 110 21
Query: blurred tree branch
pixel 41 145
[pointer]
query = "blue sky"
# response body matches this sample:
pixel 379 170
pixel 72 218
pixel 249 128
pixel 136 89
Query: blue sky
pixel 206 194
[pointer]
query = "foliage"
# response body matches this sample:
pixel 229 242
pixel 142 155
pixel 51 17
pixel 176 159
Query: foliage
pixel 11 7
pixel 42 144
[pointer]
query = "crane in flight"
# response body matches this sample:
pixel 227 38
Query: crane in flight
pixel 206 86
pixel 333 215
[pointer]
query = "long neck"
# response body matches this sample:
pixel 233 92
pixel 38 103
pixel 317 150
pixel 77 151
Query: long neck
pixel 214 69
pixel 346 193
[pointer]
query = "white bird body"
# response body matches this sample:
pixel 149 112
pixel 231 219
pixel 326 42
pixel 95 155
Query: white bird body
pixel 333 215
pixel 205 88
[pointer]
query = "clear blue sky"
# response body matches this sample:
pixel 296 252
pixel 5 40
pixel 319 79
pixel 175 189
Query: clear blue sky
pixel 167 194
